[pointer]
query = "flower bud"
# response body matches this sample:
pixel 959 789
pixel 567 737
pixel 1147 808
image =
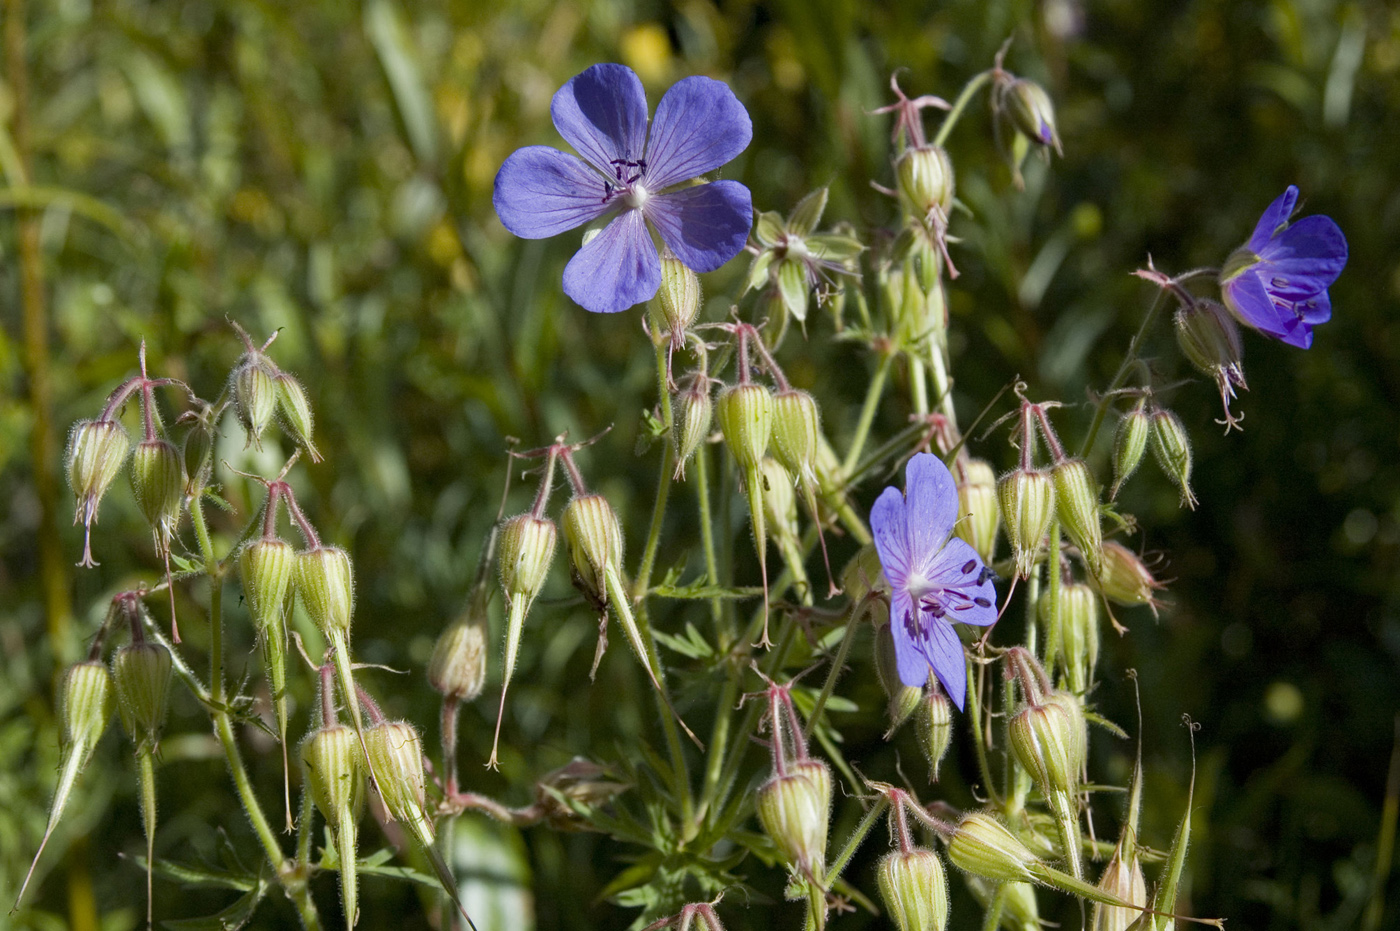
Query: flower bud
pixel 255 394
pixel 325 582
pixel 914 889
pixel 141 672
pixel 1129 443
pixel 903 699
pixel 1043 738
pixel 794 809
pixel 594 538
pixel 1074 641
pixel 1122 880
pixel 1078 743
pixel 984 847
pixel 334 772
pixel 935 729
pixel 1125 579
pixel 96 451
pixel 696 413
pixel 677 301
pixel 1210 340
pixel 795 431
pixel 527 548
pixel 296 412
pixel 924 179
pixel 1077 504
pixel 863 574
pixel 457 668
pixel 198 456
pixel 158 483
pixel 979 519
pixel 86 707
pixel 779 501
pixel 746 420
pixel 266 567
pixel 1032 112
pixel 396 759
pixel 1172 449
pixel 1027 501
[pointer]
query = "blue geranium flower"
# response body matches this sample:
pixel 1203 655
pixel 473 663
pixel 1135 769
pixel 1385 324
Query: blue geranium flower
pixel 635 177
pixel 1277 282
pixel 935 578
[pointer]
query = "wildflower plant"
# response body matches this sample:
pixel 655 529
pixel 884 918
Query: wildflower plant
pixel 748 652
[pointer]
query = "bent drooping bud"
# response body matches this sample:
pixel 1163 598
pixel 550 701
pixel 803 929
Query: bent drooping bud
pixel 677 303
pixel 924 180
pixel 984 847
pixel 1027 499
pixel 457 668
pixel 96 452
pixel 141 673
pixel 1072 632
pixel 266 567
pixel 745 414
pixel 1077 505
pixel 1032 113
pixel 325 582
pixel 396 759
pixel 335 777
pixel 1125 578
pixel 1172 448
pixel 696 414
pixel 1129 443
pixel 594 539
pixel 1210 340
pixel 979 519
pixel 158 484
pixel 255 396
pixel 795 810
pixel 796 427
pixel 296 412
pixel 526 551
pixel 914 889
pixel 935 723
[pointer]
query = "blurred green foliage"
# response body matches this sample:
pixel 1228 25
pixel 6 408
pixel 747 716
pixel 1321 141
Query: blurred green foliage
pixel 325 169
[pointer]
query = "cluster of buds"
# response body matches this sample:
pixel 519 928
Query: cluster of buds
pixel 1149 425
pixel 792 261
pixel 794 805
pixel 261 391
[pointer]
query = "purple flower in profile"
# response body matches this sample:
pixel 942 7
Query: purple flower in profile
pixel 632 176
pixel 1277 282
pixel 935 578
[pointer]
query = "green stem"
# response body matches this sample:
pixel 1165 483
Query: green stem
pixel 991 919
pixel 918 384
pixel 867 413
pixel 837 665
pixel 974 716
pixel 1101 409
pixel 856 839
pixel 707 530
pixel 959 105
pixel 1054 627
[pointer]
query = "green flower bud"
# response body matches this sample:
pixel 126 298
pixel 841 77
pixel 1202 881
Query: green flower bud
pixel 1074 639
pixel 1129 443
pixel 255 394
pixel 325 582
pixel 1027 501
pixel 677 301
pixel 779 501
pixel 1210 340
pixel 982 846
pixel 198 455
pixel 1172 449
pixel 1032 112
pixel 863 574
pixel 334 772
pixel 1043 738
pixel 746 421
pixel 1125 579
pixel 396 759
pixel 96 451
pixel 86 706
pixel 158 482
pixel 903 699
pixel 594 538
pixel 141 672
pixel 924 179
pixel 1122 880
pixel 696 413
pixel 1078 743
pixel 794 810
pixel 266 567
pixel 296 412
pixel 1077 504
pixel 935 729
pixel 914 889
pixel 527 548
pixel 796 426
pixel 457 668
pixel 979 519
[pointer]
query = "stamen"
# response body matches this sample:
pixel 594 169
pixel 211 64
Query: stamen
pixel 968 566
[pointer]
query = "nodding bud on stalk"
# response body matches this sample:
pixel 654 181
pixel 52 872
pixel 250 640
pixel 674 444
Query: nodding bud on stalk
pixel 697 413
pixel 266 567
pixel 796 427
pixel 779 502
pixel 935 728
pixel 794 809
pixel 255 394
pixel 1129 443
pixel 158 483
pixel 677 301
pixel 527 549
pixel 1032 112
pixel 141 672
pixel 924 179
pixel 96 452
pixel 594 538
pixel 1210 340
pixel 1125 579
pixel 1045 741
pixel 396 759
pixel 984 847
pixel 325 582
pixel 903 699
pixel 1077 504
pixel 86 706
pixel 979 519
pixel 746 421
pixel 914 889
pixel 296 412
pixel 335 777
pixel 1027 504
pixel 457 668
pixel 1071 624
pixel 1172 449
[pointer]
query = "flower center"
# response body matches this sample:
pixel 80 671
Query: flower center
pixel 636 196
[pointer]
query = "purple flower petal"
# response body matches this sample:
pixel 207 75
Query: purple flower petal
pixel 699 126
pixel 891 533
pixel 541 192
pixel 932 506
pixel 944 652
pixel 1305 258
pixel 706 225
pixel 1274 217
pixel 618 269
pixel 958 568
pixel 905 625
pixel 1316 309
pixel 602 113
pixel 1248 299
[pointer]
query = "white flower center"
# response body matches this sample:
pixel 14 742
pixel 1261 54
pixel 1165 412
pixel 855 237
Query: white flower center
pixel 636 196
